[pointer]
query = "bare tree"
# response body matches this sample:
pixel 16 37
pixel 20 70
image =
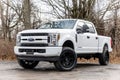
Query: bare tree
pixel 2 18
pixel 5 18
pixel 79 9
pixel 115 31
pixel 72 8
pixel 14 17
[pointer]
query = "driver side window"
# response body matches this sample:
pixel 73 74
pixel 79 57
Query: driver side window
pixel 82 28
pixel 85 29
pixel 79 28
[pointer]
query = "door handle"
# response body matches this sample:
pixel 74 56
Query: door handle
pixel 96 37
pixel 88 37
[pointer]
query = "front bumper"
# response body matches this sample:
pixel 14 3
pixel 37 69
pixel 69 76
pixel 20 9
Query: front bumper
pixel 49 54
pixel 38 58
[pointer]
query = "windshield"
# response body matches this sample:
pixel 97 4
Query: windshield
pixel 65 24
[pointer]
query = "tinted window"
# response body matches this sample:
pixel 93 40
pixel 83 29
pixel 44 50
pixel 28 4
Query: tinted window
pixel 91 28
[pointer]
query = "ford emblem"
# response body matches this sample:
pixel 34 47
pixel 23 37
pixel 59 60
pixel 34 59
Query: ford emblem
pixel 31 39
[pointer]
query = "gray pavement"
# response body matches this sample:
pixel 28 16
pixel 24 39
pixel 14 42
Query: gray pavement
pixel 10 70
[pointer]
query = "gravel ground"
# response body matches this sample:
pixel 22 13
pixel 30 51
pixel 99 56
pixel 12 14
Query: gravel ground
pixel 10 70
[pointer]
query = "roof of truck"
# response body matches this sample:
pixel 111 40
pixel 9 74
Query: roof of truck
pixel 66 19
pixel 71 19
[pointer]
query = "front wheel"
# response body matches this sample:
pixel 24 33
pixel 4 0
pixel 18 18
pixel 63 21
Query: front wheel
pixel 67 60
pixel 104 57
pixel 28 64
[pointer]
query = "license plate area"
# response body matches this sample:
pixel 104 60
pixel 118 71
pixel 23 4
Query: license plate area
pixel 30 53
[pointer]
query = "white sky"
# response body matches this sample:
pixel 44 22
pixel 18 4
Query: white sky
pixel 44 8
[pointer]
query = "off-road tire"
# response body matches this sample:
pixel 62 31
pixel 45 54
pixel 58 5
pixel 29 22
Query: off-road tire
pixel 104 57
pixel 27 64
pixel 67 60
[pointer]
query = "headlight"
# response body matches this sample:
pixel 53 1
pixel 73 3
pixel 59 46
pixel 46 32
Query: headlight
pixel 54 38
pixel 18 39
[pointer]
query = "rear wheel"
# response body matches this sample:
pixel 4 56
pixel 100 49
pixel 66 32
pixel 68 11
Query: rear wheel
pixel 67 60
pixel 28 64
pixel 104 57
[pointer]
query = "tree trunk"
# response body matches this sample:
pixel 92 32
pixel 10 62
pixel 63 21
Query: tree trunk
pixel 26 14
pixel 3 21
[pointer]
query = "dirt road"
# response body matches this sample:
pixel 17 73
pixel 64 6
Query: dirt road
pixel 46 71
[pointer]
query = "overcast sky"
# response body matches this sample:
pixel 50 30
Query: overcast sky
pixel 44 8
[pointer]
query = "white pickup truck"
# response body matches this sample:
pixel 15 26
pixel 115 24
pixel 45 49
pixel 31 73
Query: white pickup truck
pixel 61 42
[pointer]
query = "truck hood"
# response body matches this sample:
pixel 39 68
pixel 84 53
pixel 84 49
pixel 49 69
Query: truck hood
pixel 47 31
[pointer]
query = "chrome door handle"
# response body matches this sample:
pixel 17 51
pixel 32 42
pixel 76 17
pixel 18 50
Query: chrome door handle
pixel 88 37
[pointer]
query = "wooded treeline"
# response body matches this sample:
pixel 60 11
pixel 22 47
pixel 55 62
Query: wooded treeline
pixel 17 15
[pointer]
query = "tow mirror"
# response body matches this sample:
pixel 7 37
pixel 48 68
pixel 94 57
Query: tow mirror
pixel 79 30
pixel 87 30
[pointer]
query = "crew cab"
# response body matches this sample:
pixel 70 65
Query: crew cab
pixel 61 42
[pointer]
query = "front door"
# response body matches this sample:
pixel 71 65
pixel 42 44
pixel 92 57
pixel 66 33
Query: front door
pixel 81 39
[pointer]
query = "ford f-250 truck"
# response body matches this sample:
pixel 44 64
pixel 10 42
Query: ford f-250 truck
pixel 61 42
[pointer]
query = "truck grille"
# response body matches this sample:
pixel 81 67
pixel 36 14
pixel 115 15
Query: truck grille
pixel 34 34
pixel 34 39
pixel 33 50
pixel 34 45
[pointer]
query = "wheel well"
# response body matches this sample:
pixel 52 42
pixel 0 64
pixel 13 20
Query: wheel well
pixel 68 44
pixel 106 46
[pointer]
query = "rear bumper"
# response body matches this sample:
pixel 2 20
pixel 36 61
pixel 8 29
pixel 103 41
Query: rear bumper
pixel 50 53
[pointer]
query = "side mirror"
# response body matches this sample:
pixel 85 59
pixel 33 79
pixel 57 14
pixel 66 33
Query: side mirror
pixel 79 30
pixel 85 29
pixel 88 30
